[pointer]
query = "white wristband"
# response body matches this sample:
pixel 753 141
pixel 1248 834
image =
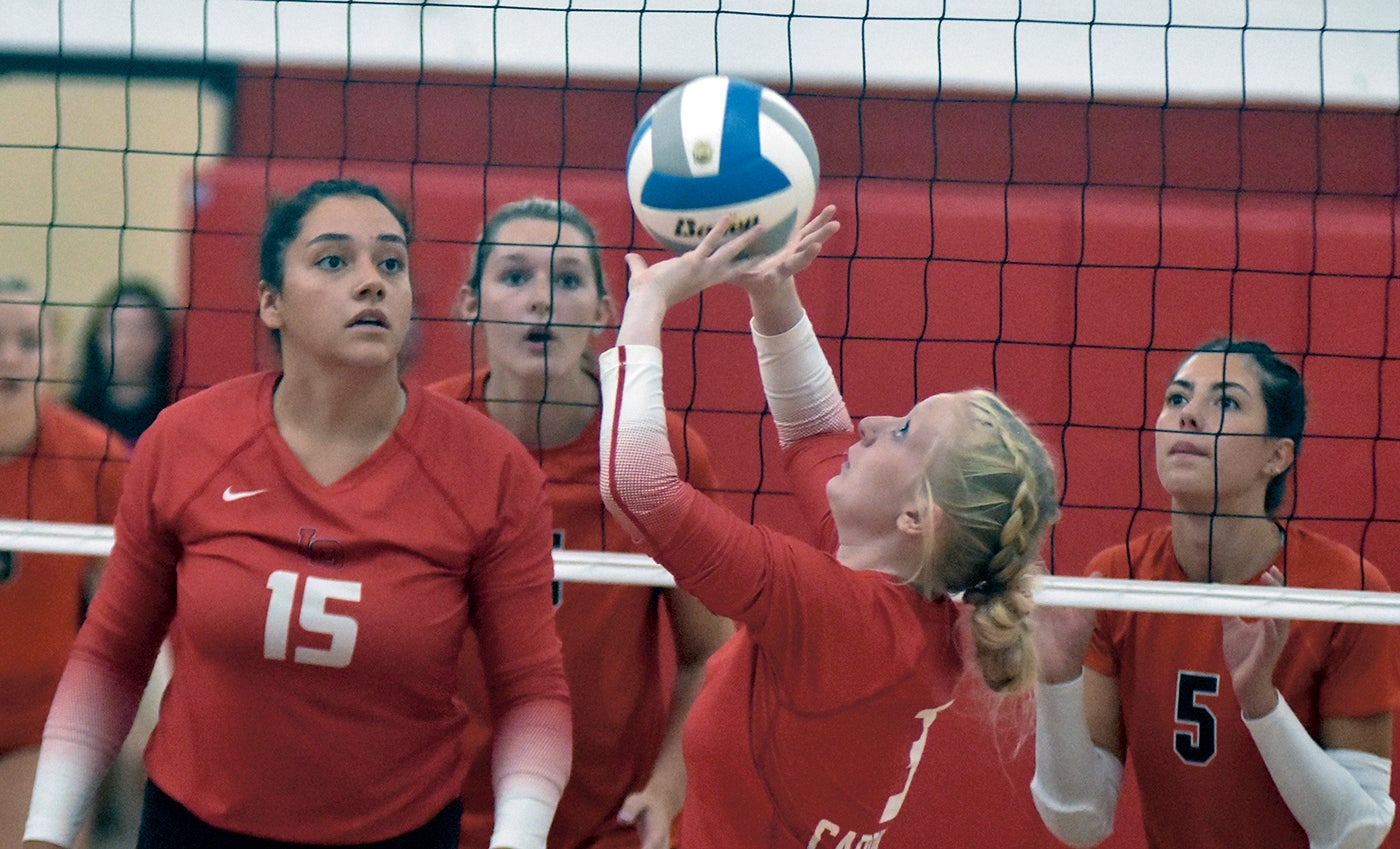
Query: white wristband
pixel 522 822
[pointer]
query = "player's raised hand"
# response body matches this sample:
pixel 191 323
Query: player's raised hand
pixel 1251 651
pixel 1061 637
pixel 714 260
pixel 805 246
pixel 654 289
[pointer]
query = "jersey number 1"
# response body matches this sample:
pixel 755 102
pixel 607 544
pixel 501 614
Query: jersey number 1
pixel 916 754
pixel 314 619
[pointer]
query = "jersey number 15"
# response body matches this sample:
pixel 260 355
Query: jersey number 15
pixel 313 619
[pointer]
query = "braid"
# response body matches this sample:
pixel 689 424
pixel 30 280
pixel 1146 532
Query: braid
pixel 1014 539
pixel 1001 623
pixel 997 490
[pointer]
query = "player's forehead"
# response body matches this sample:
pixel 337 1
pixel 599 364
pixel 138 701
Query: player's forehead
pixel 1217 370
pixel 344 218
pixel 535 232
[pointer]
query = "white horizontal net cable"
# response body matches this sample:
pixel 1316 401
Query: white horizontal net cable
pixel 600 567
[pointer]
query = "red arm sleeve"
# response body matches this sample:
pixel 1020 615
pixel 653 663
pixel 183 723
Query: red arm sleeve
pixel 513 614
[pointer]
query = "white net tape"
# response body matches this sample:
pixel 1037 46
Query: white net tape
pixel 599 567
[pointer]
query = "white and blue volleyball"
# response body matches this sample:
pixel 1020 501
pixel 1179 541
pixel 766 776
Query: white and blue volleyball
pixel 718 145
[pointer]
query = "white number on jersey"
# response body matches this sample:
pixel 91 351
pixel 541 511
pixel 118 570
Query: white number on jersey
pixel 314 619
pixel 916 754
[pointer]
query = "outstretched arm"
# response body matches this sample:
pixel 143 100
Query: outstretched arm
pixel 1339 788
pixel 797 379
pixel 637 475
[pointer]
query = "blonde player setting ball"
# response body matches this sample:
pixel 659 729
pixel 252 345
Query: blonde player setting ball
pixel 316 543
pixel 813 718
pixel 1258 733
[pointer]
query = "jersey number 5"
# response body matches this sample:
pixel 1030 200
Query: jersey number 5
pixel 1196 745
pixel 314 619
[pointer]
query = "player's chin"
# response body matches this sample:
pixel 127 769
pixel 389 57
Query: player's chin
pixel 376 354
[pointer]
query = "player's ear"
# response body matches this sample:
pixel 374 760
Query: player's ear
pixel 269 306
pixel 606 315
pixel 468 305
pixel 1280 458
pixel 918 521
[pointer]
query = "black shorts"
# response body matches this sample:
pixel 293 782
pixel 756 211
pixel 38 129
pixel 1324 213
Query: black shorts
pixel 166 824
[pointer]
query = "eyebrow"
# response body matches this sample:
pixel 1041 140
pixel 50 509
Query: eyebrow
pixel 1222 385
pixel 392 238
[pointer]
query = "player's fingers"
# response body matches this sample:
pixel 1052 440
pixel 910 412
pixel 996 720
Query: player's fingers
pixel 820 219
pixel 735 247
pixel 631 807
pixel 713 239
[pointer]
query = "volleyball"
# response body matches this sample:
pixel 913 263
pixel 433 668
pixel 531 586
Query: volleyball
pixel 718 145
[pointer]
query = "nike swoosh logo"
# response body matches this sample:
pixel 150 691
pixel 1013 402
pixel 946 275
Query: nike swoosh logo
pixel 231 495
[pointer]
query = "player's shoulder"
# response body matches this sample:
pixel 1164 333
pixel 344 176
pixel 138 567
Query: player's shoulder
pixel 443 408
pixel 1143 556
pixel 445 423
pixel 235 396
pixel 1311 558
pixel 79 435
pixel 460 387
pixel 216 418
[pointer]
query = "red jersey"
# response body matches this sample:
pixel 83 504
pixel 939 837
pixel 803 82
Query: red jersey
pixel 618 652
pixel 812 719
pixel 1181 720
pixel 72 472
pixel 315 629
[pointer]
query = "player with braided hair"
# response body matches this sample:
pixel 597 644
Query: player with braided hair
pixel 813 719
pixel 989 538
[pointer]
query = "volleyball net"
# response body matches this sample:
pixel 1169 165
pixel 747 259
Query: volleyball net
pixel 1057 206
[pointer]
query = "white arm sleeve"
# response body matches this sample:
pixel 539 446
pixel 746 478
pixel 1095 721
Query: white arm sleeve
pixel 530 763
pixel 637 475
pixel 1341 797
pixel 90 717
pixel 798 381
pixel 1076 783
